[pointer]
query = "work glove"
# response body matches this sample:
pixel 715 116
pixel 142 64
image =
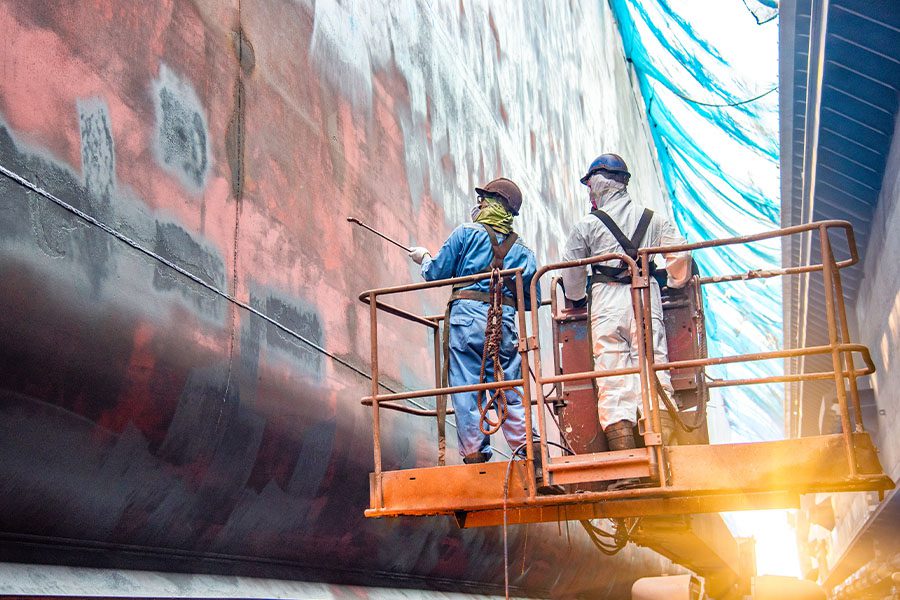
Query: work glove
pixel 418 254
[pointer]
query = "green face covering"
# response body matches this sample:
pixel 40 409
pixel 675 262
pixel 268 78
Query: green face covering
pixel 495 215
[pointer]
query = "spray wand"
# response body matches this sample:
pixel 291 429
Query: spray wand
pixel 378 233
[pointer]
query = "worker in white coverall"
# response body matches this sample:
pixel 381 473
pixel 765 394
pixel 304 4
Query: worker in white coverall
pixel 614 223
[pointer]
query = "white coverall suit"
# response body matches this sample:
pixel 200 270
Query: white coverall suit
pixel 613 329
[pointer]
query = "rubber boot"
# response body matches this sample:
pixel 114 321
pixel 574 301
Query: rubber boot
pixel 541 487
pixel 620 436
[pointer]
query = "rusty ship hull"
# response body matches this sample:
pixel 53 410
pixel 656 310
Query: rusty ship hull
pixel 181 350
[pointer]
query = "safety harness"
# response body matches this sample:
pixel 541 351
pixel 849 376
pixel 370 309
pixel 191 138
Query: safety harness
pixel 620 274
pixel 493 338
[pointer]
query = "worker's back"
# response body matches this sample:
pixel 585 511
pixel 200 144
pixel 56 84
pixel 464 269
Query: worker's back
pixel 613 324
pixel 590 237
pixel 468 251
pixel 476 248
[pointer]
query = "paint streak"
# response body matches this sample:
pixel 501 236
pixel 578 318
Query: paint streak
pixel 306 323
pixel 98 162
pixel 234 134
pixel 136 414
pixel 182 138
pixel 177 245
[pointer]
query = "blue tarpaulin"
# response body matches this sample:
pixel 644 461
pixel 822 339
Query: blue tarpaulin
pixel 708 75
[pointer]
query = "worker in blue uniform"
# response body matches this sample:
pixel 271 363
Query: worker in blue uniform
pixel 475 248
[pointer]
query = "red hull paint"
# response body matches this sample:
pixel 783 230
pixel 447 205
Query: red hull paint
pixel 149 422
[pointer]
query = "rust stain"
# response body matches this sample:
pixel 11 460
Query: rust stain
pixel 313 112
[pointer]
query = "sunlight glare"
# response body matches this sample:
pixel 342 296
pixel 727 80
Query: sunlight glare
pixel 776 539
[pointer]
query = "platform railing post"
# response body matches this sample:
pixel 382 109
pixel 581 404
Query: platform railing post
pixel 440 401
pixel 837 366
pixel 649 398
pixel 700 333
pixel 845 338
pixel 526 389
pixel 376 421
pixel 557 367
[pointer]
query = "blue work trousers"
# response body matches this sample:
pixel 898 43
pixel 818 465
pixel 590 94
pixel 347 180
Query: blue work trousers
pixel 467 323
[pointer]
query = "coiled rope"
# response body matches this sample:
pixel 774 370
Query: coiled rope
pixel 493 340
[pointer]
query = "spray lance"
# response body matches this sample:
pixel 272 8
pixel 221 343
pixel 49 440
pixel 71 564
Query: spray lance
pixel 378 233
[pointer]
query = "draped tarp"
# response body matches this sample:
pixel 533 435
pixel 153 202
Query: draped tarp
pixel 708 74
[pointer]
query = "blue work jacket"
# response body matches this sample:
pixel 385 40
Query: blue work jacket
pixel 468 251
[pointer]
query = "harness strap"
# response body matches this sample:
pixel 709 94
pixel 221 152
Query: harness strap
pixel 480 296
pixel 630 246
pixel 499 252
pixel 614 229
pixel 606 274
pixel 641 230
pixel 610 274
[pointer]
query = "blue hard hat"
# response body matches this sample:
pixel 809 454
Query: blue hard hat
pixel 606 162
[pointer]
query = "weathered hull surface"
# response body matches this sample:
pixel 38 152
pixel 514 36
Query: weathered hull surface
pixel 147 419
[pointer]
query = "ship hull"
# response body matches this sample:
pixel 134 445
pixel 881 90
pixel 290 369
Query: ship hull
pixel 181 347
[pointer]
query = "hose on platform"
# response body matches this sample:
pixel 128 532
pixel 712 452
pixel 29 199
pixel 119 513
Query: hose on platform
pixel 699 420
pixel 562 435
pixel 619 536
pixel 515 456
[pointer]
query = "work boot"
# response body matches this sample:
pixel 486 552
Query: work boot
pixel 476 458
pixel 620 436
pixel 545 489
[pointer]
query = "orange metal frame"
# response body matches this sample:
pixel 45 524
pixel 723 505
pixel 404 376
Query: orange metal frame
pixel 732 477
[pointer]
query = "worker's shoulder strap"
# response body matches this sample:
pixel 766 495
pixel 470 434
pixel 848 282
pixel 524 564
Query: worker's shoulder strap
pixel 630 246
pixel 641 230
pixel 500 250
